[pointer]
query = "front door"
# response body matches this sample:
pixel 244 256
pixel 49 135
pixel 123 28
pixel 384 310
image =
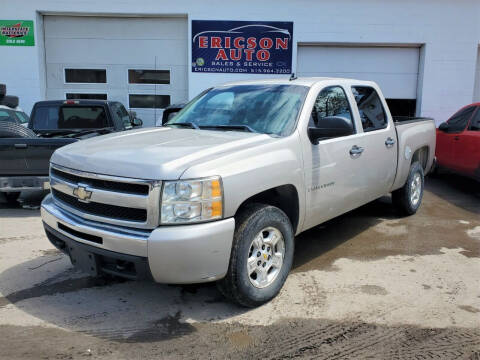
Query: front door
pixel 334 174
pixel 448 142
pixel 467 147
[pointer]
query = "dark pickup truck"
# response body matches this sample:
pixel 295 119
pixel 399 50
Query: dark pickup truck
pixel 25 152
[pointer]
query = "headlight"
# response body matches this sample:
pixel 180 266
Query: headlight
pixel 191 201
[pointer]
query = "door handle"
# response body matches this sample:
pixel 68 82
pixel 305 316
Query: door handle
pixel 456 138
pixel 356 151
pixel 20 146
pixel 389 142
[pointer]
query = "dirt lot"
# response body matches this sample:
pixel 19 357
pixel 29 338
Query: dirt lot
pixel 366 285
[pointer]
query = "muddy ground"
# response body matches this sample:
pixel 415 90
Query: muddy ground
pixel 366 285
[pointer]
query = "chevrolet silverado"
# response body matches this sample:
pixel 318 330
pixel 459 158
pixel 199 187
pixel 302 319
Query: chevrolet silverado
pixel 220 191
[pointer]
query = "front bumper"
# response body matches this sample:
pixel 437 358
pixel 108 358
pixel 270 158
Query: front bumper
pixel 180 254
pixel 20 183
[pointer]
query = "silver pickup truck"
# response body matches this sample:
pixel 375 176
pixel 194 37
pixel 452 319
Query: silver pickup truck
pixel 220 191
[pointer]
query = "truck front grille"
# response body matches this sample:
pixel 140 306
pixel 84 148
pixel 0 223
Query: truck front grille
pixel 110 211
pixel 114 200
pixel 103 184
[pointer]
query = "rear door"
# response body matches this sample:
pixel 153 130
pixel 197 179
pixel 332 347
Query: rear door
pixel 467 147
pixel 378 141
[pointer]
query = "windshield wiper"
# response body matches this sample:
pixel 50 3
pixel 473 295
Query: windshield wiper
pixel 230 127
pixel 89 131
pixel 186 124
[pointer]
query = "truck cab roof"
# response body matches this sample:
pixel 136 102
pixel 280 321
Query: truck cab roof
pixel 303 81
pixel 74 102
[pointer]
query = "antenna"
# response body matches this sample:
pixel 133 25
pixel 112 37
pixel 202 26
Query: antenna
pixel 293 77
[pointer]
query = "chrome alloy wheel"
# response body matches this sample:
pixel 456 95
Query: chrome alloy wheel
pixel 265 257
pixel 415 189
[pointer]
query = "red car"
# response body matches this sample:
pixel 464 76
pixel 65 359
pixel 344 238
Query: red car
pixel 458 142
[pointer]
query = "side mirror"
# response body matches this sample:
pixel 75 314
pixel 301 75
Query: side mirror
pixel 443 127
pixel 170 111
pixel 137 122
pixel 330 127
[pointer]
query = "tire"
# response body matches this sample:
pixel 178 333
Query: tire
pixel 12 130
pixel 10 101
pixel 238 285
pixel 403 199
pixel 12 197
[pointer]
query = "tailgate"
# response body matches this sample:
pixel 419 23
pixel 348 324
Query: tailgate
pixel 28 156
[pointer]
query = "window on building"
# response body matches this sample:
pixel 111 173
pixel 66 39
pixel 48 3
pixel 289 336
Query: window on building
pixel 459 121
pixel 331 101
pixel 475 123
pixel 148 76
pixel 370 108
pixel 148 101
pixel 93 76
pixel 76 96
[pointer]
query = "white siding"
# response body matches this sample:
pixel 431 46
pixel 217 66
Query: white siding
pixel 476 92
pixel 447 30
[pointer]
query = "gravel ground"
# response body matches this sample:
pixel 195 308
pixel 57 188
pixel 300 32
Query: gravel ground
pixel 366 285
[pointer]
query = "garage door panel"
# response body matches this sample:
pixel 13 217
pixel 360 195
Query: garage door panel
pixel 116 44
pixel 70 27
pixel 167 52
pixel 394 69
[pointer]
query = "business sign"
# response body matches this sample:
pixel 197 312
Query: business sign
pixel 16 33
pixel 244 47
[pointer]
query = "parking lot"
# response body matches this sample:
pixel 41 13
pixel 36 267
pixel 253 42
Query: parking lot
pixel 367 284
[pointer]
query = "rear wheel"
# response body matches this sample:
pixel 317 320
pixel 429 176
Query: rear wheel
pixel 407 199
pixel 12 197
pixel 261 258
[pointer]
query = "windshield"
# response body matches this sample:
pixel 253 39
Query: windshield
pixel 56 117
pixel 268 109
pixel 13 116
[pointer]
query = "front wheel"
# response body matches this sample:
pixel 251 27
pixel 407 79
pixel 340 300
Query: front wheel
pixel 261 258
pixel 407 199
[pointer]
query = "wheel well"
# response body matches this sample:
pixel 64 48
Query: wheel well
pixel 421 155
pixel 284 197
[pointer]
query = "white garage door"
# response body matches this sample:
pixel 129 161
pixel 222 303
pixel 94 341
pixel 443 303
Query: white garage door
pixel 395 69
pixel 141 62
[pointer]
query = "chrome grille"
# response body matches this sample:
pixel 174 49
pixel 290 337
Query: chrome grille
pixel 108 199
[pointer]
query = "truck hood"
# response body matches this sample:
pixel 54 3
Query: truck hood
pixel 153 153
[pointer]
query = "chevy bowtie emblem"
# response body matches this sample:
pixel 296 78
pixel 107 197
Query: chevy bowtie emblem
pixel 82 193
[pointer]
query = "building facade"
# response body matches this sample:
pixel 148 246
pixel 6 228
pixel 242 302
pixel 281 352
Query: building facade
pixel 424 54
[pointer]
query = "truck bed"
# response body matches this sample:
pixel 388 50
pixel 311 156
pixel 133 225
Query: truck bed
pixel 414 133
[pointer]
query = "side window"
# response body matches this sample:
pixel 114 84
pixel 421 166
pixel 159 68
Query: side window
pixel 475 123
pixel 370 108
pixel 121 115
pixel 459 121
pixel 331 101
